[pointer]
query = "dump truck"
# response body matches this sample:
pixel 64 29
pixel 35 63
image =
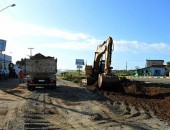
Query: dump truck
pixel 41 71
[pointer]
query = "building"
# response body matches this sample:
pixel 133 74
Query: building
pixel 4 62
pixel 153 68
pixel 4 59
pixel 150 63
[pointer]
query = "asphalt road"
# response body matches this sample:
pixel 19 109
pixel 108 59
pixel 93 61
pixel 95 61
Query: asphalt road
pixel 9 84
pixel 152 80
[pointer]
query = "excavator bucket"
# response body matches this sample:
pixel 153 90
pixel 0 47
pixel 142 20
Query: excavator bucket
pixel 107 81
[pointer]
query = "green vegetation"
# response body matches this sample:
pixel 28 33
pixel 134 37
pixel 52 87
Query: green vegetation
pixel 21 62
pixel 76 77
pixel 123 72
pixel 168 65
pixel 72 76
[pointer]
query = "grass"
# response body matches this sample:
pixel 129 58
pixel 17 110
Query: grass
pixel 72 76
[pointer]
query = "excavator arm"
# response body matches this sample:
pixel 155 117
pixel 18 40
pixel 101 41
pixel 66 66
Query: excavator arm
pixel 101 69
pixel 105 48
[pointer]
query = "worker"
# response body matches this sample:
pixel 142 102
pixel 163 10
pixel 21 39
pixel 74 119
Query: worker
pixel 21 76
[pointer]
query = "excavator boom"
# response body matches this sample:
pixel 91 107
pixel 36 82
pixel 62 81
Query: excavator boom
pixel 105 48
pixel 101 71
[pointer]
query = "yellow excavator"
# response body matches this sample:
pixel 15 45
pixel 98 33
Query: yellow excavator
pixel 101 71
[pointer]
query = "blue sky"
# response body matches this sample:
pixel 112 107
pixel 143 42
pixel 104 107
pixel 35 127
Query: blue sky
pixel 72 29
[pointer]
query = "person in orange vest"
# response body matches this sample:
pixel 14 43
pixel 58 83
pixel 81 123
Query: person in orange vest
pixel 21 76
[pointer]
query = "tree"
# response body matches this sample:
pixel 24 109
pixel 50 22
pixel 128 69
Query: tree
pixel 168 64
pixel 21 63
pixel 168 68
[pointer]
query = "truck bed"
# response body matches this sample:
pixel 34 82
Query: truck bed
pixel 41 67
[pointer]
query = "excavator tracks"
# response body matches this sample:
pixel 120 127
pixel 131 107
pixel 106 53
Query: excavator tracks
pixel 38 113
pixel 35 121
pixel 34 115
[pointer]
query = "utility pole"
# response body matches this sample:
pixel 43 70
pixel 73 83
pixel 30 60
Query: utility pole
pixel 126 65
pixel 30 51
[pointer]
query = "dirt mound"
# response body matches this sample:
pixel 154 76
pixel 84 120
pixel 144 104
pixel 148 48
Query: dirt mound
pixel 151 97
pixel 40 56
pixel 19 89
pixel 147 89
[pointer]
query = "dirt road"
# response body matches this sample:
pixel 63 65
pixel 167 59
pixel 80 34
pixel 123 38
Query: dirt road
pixel 69 107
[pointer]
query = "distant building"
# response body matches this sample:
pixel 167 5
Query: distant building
pixel 153 68
pixel 150 63
pixel 4 62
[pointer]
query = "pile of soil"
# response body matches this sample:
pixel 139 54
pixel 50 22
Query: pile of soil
pixel 40 56
pixel 151 97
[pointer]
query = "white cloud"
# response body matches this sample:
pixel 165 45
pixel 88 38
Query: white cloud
pixel 11 28
pixel 85 44
pixel 17 34
pixel 64 35
pixel 136 46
